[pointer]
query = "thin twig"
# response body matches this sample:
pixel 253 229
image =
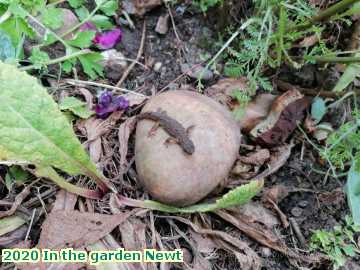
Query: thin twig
pixel 285 86
pixel 30 226
pixel 140 52
pixel 82 83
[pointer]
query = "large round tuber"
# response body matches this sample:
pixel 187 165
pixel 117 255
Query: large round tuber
pixel 169 174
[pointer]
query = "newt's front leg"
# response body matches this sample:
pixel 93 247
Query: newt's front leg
pixel 153 130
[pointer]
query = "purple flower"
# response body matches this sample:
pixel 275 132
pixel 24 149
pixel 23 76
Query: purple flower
pixel 107 104
pixel 105 98
pixel 108 39
pixel 88 26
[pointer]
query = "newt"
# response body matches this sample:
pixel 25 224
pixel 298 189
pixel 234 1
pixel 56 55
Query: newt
pixel 175 129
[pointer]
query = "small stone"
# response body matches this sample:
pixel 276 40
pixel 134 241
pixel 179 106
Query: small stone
pixel 303 204
pixel 296 211
pixel 157 66
pixel 114 64
pixel 197 72
pixel 173 86
pixel 162 25
pixel 265 252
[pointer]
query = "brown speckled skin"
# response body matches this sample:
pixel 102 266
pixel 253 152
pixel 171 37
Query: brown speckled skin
pixel 172 127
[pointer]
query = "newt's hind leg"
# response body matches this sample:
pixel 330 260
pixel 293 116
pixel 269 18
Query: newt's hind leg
pixel 189 129
pixel 171 140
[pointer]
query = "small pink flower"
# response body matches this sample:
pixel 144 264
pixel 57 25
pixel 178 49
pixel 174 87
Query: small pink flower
pixel 108 39
pixel 88 26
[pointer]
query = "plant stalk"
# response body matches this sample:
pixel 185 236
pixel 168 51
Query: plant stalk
pixel 325 14
pixel 335 59
pixel 57 60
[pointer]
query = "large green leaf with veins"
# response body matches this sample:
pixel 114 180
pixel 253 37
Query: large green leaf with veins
pixel 353 192
pixel 238 196
pixel 34 131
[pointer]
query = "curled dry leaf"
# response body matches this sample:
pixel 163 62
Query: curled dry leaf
pixel 256 111
pixel 125 130
pixel 18 200
pixel 285 112
pixel 88 97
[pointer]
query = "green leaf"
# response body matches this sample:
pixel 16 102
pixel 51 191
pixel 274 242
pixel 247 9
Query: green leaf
pixel 354 10
pixel 110 7
pixel 82 39
pixel 52 17
pixel 34 131
pixel 67 65
pixel 238 196
pixel 82 13
pixel 15 27
pixel 17 175
pixel 318 109
pixel 90 64
pixel 7 50
pixel 39 58
pixel 102 22
pixel 348 76
pixel 9 224
pixel 76 3
pixel 353 193
pixel 76 106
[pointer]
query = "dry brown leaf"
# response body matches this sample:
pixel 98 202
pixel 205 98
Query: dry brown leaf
pixel 18 200
pixel 88 97
pixel 125 130
pixel 223 90
pixel 140 7
pixel 204 244
pixel 285 112
pixel 64 201
pixel 308 41
pixel 259 157
pixel 255 212
pixel 108 243
pixel 13 238
pixel 265 237
pixel 355 37
pixel 75 229
pixel 135 99
pixel 279 156
pixel 133 234
pixel 255 111
pixel 94 128
pixel 276 193
pixel 235 245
